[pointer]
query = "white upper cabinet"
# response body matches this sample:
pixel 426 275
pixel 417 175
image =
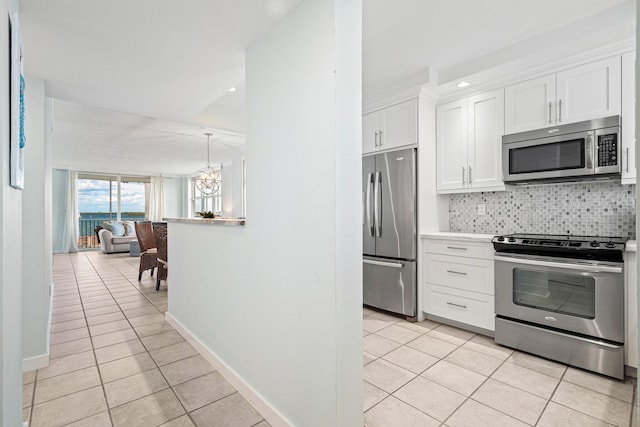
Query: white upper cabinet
pixel 391 127
pixel 588 92
pixel 469 135
pixel 451 137
pixel 370 131
pixel 530 105
pixel 485 130
pixel 585 92
pixel 628 113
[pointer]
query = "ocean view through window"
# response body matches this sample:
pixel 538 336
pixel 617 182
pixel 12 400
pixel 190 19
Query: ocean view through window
pixel 109 198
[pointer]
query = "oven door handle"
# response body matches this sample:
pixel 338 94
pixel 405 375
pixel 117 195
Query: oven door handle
pixel 568 266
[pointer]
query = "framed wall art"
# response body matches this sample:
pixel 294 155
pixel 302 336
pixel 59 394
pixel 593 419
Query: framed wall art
pixel 16 97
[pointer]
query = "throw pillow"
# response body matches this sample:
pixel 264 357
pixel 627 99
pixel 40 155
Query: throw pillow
pixel 117 228
pixel 129 228
pixel 106 225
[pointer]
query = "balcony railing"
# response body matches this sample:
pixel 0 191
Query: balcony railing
pixel 87 238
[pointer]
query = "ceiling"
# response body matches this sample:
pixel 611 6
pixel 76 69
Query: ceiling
pixel 93 139
pixel 147 78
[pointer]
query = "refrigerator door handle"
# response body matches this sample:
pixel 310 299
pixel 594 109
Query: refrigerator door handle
pixel 368 204
pixel 377 204
pixel 382 263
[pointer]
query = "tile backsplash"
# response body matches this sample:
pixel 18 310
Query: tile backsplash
pixel 588 208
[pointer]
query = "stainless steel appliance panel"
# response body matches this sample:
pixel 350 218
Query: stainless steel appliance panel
pixel 591 354
pixel 572 151
pixel 395 204
pixel 575 296
pixel 390 285
pixel 368 231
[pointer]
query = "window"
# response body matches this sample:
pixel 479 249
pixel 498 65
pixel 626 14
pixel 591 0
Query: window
pixel 109 198
pixel 201 202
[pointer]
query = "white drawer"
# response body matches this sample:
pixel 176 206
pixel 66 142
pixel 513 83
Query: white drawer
pixel 462 306
pixel 459 248
pixel 470 274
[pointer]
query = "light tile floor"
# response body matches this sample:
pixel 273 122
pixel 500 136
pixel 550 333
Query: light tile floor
pixel 115 361
pixel 430 374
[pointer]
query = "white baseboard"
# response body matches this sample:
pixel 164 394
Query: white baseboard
pixel 51 291
pixel 35 362
pixel 271 414
pixel 41 361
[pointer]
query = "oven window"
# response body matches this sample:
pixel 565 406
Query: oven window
pixel 547 157
pixel 570 294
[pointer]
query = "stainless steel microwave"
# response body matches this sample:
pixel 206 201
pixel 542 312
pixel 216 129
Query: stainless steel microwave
pixel 582 150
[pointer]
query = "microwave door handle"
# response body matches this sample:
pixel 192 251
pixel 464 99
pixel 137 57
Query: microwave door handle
pixel 589 150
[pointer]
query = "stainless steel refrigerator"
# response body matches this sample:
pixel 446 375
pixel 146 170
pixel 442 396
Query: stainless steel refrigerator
pixel 389 231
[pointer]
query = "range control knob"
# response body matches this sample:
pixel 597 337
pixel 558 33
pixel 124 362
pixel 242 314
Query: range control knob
pixel 512 239
pixel 610 245
pixel 501 239
pixel 594 244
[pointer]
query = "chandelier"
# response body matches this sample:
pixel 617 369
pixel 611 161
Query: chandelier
pixel 207 179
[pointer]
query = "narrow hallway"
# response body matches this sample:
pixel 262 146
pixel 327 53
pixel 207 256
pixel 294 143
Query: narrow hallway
pixel 115 361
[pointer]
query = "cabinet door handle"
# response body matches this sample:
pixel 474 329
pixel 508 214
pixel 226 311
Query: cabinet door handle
pixel 463 171
pixel 627 159
pixel 456 247
pixel 469 175
pixel 560 111
pixel 549 112
pixel 457 305
pixel 381 138
pixel 462 273
pixel 376 139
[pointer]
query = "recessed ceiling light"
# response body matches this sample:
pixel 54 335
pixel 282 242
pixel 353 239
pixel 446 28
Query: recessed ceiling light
pixel 233 89
pixel 463 84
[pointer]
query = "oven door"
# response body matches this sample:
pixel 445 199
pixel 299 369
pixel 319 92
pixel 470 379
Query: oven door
pixel 570 295
pixel 547 158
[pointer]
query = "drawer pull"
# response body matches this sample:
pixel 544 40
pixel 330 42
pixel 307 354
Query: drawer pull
pixel 456 247
pixel 462 273
pixel 457 305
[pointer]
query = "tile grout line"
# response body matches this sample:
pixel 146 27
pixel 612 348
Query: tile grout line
pixel 93 348
pixel 169 386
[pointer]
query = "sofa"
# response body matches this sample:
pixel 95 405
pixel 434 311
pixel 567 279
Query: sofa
pixel 116 236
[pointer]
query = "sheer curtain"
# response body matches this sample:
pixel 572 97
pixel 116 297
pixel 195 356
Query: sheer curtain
pixel 70 232
pixel 156 202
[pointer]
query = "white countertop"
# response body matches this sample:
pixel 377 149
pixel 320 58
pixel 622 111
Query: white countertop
pixel 631 246
pixel 209 221
pixel 447 235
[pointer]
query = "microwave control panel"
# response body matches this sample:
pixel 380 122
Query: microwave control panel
pixel 608 150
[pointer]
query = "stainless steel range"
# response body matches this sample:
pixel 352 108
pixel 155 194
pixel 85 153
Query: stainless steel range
pixel 562 297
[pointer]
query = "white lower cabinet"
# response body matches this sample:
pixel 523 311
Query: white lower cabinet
pixel 458 278
pixel 472 308
pixel 631 298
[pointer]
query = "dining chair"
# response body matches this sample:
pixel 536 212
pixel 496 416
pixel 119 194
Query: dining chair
pixel 160 236
pixel 148 252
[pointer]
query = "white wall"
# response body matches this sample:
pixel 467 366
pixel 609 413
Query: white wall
pixel 36 220
pixel 10 253
pixel 58 209
pixel 232 188
pixel 175 198
pixel 433 209
pixel 280 300
pixel 637 74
